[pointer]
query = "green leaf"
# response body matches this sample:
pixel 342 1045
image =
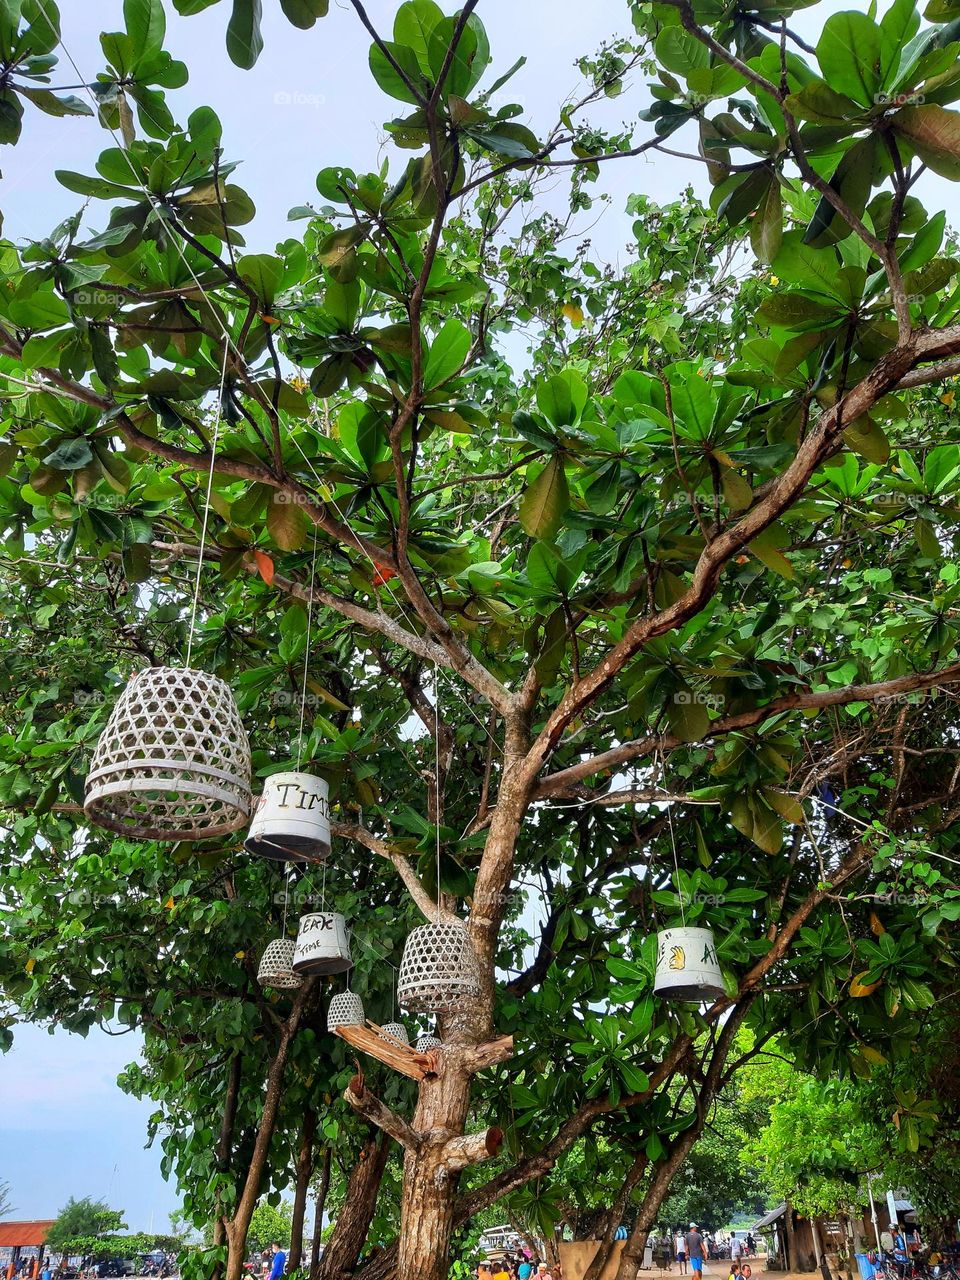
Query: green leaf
pixel 679 51
pixel 562 398
pixel 849 54
pixel 304 13
pixel 263 274
pixel 546 501
pixel 389 78
pixel 414 25
pixel 447 353
pixel 244 38
pixel 146 25
pixel 852 182
pixel 688 716
pixel 867 439
pixel 898 26
pixel 766 229
pixel 71 455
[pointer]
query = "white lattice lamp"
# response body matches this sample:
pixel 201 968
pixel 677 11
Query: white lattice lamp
pixel 173 762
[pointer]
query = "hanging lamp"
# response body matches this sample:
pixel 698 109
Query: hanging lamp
pixel 323 944
pixel 173 762
pixel 292 819
pixel 345 1010
pixel 687 966
pixel 395 1031
pixel 276 966
pixel 426 1043
pixel 439 969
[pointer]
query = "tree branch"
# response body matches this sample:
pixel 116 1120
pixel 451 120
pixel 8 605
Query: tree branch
pixel 372 1109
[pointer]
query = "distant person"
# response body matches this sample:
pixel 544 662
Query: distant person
pixel 751 1244
pixel 694 1242
pixel 46 1273
pixel 279 1262
pixel 525 1270
pixel 501 1272
pixel 680 1249
pixel 734 1271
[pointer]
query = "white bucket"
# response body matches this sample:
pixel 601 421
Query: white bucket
pixel 292 819
pixel 687 966
pixel 323 944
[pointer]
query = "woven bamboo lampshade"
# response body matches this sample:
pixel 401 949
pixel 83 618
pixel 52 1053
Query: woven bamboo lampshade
pixel 427 1042
pixel 276 966
pixel 439 968
pixel 173 762
pixel 345 1010
pixel 395 1031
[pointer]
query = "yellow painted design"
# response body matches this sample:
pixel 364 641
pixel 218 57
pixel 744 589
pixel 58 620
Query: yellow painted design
pixel 678 958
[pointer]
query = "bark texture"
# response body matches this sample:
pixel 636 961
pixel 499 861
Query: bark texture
pixel 350 1231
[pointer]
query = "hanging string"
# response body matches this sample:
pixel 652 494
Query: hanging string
pixel 206 504
pixel 286 897
pixel 438 815
pixel 673 842
pixel 306 655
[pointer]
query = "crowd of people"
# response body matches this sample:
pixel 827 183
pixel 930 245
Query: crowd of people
pixel 689 1249
pixel 521 1266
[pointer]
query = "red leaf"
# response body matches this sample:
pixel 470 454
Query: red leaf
pixel 265 565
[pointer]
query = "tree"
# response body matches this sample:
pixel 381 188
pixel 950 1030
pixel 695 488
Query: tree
pixel 6 1208
pixel 648 593
pixel 270 1224
pixel 81 1223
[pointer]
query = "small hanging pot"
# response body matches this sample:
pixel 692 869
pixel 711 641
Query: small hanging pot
pixel 345 1010
pixel 439 968
pixel 276 966
pixel 687 966
pixel 323 944
pixel 395 1031
pixel 426 1043
pixel 173 762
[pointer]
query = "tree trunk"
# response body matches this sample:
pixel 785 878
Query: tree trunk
pixel 429 1181
pixel 789 1244
pixel 224 1151
pixel 238 1226
pixel 664 1172
pixel 321 1204
pixel 615 1217
pixel 304 1174
pixel 353 1221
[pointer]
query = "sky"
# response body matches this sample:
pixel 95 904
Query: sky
pixel 65 1127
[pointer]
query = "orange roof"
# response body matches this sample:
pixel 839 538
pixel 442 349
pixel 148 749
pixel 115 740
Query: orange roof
pixel 24 1233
